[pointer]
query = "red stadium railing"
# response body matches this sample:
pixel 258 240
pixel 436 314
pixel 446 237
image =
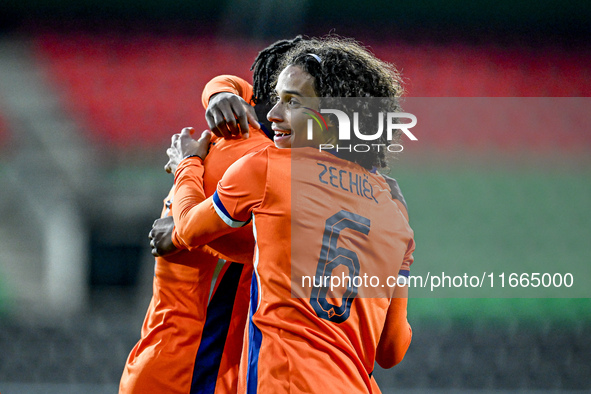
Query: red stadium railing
pixel 135 92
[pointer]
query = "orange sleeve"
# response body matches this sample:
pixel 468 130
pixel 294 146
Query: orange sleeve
pixel 237 246
pixel 397 333
pixel 242 188
pixel 375 389
pixel 408 257
pixel 198 220
pixel 396 336
pixel 195 218
pixel 227 83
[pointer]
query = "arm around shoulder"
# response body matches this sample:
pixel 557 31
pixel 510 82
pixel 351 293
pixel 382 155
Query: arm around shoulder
pixel 226 83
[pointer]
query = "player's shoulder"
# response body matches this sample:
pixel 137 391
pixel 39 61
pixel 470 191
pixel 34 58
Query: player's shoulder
pixel 258 139
pixel 264 153
pixel 255 161
pixel 227 83
pixel 395 189
pixel 229 150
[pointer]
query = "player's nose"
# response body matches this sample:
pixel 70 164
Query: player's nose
pixel 275 115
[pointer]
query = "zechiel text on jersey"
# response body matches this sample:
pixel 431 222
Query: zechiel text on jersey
pixel 346 180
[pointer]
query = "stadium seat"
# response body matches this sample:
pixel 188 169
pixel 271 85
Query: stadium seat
pixel 149 87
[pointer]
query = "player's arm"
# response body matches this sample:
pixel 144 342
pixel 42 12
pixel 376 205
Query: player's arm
pixel 228 112
pixel 161 233
pixel 234 246
pixel 198 221
pixel 375 389
pixel 197 225
pixel 237 246
pixel 229 84
pixel 397 332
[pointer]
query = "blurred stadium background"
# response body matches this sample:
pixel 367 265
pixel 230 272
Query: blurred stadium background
pixel 91 91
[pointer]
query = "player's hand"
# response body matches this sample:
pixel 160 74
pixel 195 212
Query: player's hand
pixel 161 237
pixel 228 115
pixel 186 145
pixel 174 158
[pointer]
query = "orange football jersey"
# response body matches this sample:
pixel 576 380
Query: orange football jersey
pixel 314 216
pixel 191 338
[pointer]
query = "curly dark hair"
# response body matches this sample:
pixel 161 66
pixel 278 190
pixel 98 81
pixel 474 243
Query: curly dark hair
pixel 343 68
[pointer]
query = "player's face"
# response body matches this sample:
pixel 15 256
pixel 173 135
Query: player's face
pixel 295 93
